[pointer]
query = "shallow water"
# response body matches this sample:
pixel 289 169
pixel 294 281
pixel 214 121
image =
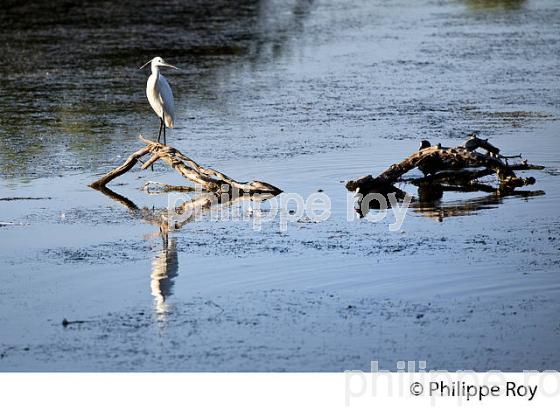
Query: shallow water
pixel 303 95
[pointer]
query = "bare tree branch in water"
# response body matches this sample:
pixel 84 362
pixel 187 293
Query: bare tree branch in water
pixel 460 166
pixel 447 169
pixel 210 179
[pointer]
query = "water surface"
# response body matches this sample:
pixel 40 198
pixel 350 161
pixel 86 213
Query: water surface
pixel 304 95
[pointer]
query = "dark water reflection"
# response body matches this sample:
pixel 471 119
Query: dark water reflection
pixel 439 210
pixel 71 83
pixel 73 97
pixel 430 201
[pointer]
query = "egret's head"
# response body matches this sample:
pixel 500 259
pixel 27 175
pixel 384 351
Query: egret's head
pixel 158 62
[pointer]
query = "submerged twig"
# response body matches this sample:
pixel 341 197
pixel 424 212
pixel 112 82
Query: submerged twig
pixel 66 322
pixel 154 188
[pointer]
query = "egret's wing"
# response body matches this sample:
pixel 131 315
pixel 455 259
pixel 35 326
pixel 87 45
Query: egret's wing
pixel 165 95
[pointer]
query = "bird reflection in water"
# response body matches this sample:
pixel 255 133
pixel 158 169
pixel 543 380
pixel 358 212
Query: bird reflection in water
pixel 165 267
pixel 165 264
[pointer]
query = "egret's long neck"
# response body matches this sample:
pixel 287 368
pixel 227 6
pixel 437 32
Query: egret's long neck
pixel 155 69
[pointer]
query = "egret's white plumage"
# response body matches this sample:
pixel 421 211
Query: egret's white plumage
pixel 160 95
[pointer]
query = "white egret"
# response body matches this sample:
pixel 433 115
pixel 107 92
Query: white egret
pixel 160 95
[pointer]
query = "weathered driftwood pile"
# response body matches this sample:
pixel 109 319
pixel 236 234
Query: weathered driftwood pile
pixel 457 168
pixel 444 169
pixel 210 179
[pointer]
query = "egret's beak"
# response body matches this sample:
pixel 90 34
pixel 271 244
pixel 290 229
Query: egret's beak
pixel 164 64
pixel 146 64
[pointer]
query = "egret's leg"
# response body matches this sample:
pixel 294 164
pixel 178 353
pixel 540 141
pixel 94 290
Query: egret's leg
pixel 159 135
pixel 160 127
pixel 163 122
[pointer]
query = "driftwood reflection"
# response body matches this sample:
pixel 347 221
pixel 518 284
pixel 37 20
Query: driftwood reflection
pixel 438 210
pixel 429 201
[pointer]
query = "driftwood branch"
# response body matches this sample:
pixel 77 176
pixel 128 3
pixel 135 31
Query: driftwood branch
pixel 457 166
pixel 208 178
pixel 125 167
